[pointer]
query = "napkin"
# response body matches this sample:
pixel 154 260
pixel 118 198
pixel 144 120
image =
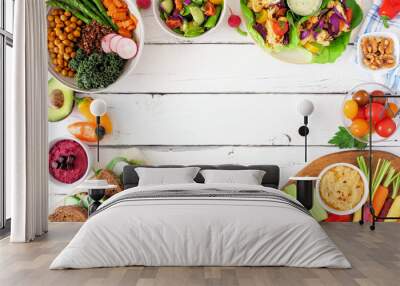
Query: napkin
pixel 373 23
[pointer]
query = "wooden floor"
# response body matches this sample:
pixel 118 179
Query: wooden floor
pixel 375 257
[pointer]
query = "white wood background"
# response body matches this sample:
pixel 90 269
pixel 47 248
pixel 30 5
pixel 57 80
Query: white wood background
pixel 222 100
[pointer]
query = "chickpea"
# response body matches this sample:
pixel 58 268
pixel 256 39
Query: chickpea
pixel 70 37
pixel 58 69
pixel 67 13
pixel 61 50
pixel 58 32
pixel 50 18
pixel 51 46
pixel 73 55
pixel 68 22
pixel 66 57
pixel 70 73
pixel 63 18
pixel 67 43
pixel 60 25
pixel 59 57
pixel 60 62
pixel 62 37
pixel 61 46
pixel 73 26
pixel 64 72
pixel 76 33
pixel 57 20
pixel 55 49
pixel 67 29
pixel 79 22
pixel 65 64
pixel 52 56
pixel 68 50
pixel 54 12
pixel 54 61
pixel 52 24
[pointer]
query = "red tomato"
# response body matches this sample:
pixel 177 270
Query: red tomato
pixel 173 23
pixel 349 14
pixel 280 27
pixel 386 127
pixel 360 113
pixel 381 94
pixel 378 112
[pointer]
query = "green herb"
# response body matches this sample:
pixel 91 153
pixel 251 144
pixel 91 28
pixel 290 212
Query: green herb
pixel 344 140
pixel 212 21
pixel 97 70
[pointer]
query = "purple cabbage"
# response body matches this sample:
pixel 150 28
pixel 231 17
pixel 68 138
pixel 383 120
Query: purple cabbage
pixel 187 2
pixel 286 39
pixel 340 15
pixel 176 15
pixel 304 34
pixel 334 22
pixel 261 30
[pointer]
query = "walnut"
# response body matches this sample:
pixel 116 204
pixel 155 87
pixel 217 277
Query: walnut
pixel 378 52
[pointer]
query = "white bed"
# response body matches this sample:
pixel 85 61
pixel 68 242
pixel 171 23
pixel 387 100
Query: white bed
pixel 246 226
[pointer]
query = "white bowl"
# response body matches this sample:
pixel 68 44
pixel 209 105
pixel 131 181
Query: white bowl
pixel 65 186
pixel 129 66
pixel 360 203
pixel 165 28
pixel 396 51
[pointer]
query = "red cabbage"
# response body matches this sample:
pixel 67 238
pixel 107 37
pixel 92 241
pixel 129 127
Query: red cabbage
pixel 304 34
pixel 334 22
pixel 187 2
pixel 261 30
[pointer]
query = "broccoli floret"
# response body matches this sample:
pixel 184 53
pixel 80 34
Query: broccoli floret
pixel 75 62
pixel 97 70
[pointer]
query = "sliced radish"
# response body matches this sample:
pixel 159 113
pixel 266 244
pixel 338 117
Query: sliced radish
pixel 114 42
pixel 105 42
pixel 126 48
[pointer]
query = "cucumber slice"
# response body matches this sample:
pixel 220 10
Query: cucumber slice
pixel 71 201
pixel 197 15
pixel 167 6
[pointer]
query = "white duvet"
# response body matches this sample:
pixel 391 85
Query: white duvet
pixel 200 231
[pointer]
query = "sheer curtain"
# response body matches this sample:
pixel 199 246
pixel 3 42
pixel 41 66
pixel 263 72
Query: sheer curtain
pixel 26 117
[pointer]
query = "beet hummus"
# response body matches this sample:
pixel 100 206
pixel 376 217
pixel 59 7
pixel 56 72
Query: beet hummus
pixel 68 161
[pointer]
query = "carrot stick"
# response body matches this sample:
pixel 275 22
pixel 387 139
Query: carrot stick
pixel 382 191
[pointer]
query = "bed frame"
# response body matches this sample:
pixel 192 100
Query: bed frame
pixel 130 178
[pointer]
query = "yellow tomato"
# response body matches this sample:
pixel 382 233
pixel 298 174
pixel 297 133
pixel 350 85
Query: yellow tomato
pixel 216 2
pixel 350 109
pixel 391 110
pixel 359 128
pixel 261 17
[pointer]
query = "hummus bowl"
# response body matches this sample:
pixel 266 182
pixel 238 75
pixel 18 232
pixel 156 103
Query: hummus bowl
pixel 69 162
pixel 342 189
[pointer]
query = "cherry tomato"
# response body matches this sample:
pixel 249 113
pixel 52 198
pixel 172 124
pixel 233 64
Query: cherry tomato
pixel 173 23
pixel 361 97
pixel 361 113
pixel 381 94
pixel 350 109
pixel 391 109
pixel 378 112
pixel 386 127
pixel 280 27
pixel 359 128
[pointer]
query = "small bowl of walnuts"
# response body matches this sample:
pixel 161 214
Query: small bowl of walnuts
pixel 378 51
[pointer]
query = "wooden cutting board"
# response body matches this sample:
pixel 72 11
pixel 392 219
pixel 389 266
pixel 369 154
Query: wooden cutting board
pixel 314 168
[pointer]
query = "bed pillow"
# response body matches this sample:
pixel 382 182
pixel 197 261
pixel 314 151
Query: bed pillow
pixel 248 177
pixel 166 176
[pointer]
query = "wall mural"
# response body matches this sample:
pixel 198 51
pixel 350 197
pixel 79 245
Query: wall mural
pixel 94 44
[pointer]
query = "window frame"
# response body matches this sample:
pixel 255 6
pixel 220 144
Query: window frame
pixel 6 39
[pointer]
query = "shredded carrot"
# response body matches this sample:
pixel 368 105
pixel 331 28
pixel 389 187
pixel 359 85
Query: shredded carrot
pixel 107 3
pixel 125 33
pixel 179 5
pixel 119 3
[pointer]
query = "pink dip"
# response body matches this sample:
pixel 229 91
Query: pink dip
pixel 80 165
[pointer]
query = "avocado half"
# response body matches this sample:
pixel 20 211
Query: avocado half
pixel 60 100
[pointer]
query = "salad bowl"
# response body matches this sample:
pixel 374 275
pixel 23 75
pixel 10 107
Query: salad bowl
pixel 357 113
pixel 208 24
pixel 129 66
